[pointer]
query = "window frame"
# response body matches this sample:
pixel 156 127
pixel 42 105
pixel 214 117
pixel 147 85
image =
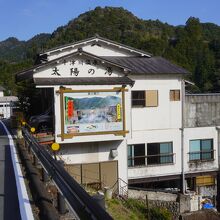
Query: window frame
pixel 201 152
pixel 160 156
pixel 175 95
pixel 138 99
pixel 136 161
pixel 150 98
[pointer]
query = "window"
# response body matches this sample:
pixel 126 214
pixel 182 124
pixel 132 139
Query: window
pixel 136 155
pixel 201 150
pixel 159 153
pixel 138 98
pixel 148 98
pixel 175 95
pixel 151 98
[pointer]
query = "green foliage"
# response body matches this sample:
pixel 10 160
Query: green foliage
pixel 7 74
pixel 135 209
pixel 14 50
pixel 29 98
pixel 160 214
pixel 137 206
pixel 195 46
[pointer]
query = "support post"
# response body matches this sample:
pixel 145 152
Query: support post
pixel 45 177
pixel 28 147
pixel 148 210
pixel 35 161
pixel 218 192
pixel 61 205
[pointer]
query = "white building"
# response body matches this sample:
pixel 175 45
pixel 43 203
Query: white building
pixel 119 114
pixel 6 103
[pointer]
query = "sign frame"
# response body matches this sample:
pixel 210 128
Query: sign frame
pixel 64 135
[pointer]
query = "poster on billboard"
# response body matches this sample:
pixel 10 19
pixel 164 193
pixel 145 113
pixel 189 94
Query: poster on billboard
pixel 92 112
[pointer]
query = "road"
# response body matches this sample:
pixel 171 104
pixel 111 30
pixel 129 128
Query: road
pixel 9 203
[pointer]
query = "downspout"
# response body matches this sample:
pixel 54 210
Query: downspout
pixel 182 135
pixel 218 175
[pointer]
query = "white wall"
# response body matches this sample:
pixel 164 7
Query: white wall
pixel 163 126
pixel 96 152
pixel 64 69
pixel 167 115
pixel 5 109
pixel 93 148
pixel 157 124
pixel 200 133
pixel 104 50
pixel 160 169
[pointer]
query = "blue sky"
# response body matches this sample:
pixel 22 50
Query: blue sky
pixel 25 18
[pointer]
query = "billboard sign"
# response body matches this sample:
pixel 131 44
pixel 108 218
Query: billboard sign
pixel 92 112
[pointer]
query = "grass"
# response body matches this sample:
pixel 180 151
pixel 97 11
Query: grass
pixel 133 209
pixel 118 210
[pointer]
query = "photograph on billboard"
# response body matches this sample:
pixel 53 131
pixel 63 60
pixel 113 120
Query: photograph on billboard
pixel 87 112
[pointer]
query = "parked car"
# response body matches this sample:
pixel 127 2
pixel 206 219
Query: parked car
pixel 42 122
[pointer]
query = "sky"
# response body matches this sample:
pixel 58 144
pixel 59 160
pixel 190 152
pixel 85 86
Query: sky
pixel 24 19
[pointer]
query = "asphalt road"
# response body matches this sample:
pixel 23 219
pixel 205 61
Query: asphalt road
pixel 9 205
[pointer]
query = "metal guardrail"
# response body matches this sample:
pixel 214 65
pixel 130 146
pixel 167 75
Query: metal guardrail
pixel 80 202
pixel 147 160
pixel 205 155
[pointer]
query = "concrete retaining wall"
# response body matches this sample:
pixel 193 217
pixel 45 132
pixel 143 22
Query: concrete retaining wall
pixel 175 203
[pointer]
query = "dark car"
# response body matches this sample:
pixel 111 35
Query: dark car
pixel 42 122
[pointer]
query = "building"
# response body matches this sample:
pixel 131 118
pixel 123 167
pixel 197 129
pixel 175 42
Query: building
pixel 119 114
pixel 6 104
pixel 201 141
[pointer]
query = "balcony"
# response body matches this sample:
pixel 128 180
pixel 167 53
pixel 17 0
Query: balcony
pixel 151 160
pixel 203 156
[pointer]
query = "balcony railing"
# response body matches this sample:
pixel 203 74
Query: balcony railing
pixel 205 155
pixel 157 159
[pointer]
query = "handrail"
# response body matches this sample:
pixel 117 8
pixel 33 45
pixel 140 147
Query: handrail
pixel 170 156
pixel 201 155
pixel 153 155
pixel 81 203
pixel 121 189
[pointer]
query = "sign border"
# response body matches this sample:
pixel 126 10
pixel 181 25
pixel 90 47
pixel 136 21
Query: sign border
pixel 63 90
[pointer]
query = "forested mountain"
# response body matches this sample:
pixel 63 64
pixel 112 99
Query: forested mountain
pixel 14 50
pixel 194 46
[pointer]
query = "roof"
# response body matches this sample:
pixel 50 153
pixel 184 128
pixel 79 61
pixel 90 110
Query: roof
pixel 8 99
pixel 84 81
pixel 97 38
pixel 134 65
pixel 145 65
pixel 28 74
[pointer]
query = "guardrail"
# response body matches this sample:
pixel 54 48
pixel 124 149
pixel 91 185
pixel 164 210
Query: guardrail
pixel 79 201
pixel 148 160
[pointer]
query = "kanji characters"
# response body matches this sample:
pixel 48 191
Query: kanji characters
pixel 55 71
pixel 108 71
pixel 74 71
pixel 91 71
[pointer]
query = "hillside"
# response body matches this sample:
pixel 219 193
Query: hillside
pixel 14 50
pixel 195 46
pixel 113 23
